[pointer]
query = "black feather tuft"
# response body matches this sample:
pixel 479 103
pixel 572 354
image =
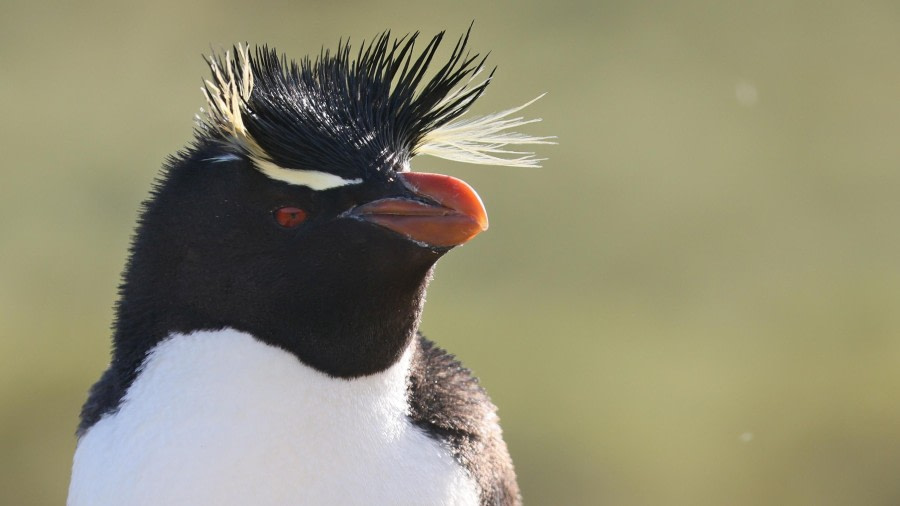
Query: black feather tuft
pixel 339 114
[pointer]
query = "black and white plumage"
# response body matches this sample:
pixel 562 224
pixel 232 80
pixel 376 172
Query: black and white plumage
pixel 266 346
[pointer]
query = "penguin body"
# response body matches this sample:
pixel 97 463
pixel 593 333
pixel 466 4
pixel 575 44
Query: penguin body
pixel 266 347
pixel 218 417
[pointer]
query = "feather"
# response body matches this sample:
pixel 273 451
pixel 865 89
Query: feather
pixel 479 140
pixel 347 116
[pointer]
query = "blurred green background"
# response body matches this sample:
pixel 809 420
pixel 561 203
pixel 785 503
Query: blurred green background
pixel 695 302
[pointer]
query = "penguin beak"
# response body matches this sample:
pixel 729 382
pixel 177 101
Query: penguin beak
pixel 444 211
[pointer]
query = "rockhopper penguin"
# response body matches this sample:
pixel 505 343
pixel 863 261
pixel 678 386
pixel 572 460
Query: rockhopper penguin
pixel 266 347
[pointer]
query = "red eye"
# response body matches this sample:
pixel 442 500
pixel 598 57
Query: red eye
pixel 290 217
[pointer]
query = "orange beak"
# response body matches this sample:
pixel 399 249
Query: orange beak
pixel 449 214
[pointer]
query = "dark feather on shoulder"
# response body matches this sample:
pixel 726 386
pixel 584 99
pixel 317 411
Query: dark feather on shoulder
pixel 449 404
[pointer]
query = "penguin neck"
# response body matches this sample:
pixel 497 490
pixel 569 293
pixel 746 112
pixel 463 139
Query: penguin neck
pixel 343 331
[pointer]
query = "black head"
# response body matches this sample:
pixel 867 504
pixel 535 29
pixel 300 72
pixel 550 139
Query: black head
pixel 293 216
pixel 222 245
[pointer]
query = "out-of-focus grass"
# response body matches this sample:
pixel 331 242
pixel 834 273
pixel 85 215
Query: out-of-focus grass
pixel 694 301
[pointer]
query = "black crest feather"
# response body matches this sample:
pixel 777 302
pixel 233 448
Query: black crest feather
pixel 339 114
pixel 348 116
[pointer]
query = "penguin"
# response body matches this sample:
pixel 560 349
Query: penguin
pixel 266 348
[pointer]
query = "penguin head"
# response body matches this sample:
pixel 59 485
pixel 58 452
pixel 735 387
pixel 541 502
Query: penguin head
pixel 295 216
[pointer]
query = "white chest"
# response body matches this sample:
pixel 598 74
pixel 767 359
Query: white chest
pixel 219 418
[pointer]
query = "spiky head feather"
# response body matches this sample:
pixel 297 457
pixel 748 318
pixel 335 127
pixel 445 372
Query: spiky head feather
pixel 339 114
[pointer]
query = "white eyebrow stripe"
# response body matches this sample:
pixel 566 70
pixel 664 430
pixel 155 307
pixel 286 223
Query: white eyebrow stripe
pixel 313 179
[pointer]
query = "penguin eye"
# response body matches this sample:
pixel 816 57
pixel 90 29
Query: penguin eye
pixel 290 217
